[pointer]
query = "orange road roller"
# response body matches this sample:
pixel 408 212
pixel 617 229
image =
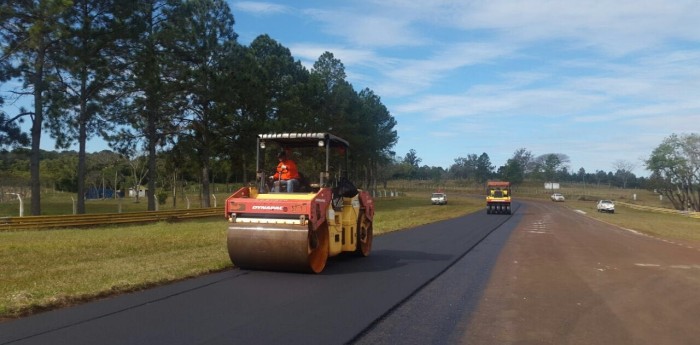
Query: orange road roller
pixel 296 224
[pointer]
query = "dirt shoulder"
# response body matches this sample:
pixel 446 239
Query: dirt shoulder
pixel 565 278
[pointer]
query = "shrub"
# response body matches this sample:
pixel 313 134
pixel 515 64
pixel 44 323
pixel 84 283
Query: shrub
pixel 162 197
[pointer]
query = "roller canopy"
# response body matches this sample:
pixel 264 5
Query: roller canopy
pixel 303 139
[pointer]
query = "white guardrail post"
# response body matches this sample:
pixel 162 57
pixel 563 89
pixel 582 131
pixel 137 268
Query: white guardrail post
pixel 21 203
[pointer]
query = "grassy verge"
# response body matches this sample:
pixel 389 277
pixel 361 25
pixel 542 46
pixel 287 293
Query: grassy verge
pixel 656 224
pixel 48 269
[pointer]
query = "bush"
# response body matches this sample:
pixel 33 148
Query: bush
pixel 162 197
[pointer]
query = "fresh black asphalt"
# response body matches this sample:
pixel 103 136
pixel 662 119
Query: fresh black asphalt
pixel 345 303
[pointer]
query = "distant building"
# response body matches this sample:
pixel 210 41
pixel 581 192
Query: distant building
pixel 141 191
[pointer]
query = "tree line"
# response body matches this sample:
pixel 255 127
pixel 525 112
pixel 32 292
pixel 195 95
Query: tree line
pixel 113 171
pixel 674 167
pixel 522 166
pixel 167 80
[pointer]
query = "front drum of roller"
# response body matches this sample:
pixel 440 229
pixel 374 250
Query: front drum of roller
pixel 277 247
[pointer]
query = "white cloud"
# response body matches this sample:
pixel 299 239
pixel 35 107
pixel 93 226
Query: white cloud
pixel 503 102
pixel 367 28
pixel 310 52
pixel 402 77
pixel 617 27
pixel 259 8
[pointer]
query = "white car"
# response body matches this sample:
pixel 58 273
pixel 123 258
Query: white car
pixel 439 199
pixel 557 197
pixel 606 206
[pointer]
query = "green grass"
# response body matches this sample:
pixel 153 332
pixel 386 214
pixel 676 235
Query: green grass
pixel 669 226
pixel 44 269
pixel 48 269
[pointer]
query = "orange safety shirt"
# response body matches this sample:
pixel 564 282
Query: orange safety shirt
pixel 287 169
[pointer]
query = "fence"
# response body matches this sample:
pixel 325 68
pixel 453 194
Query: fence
pixel 83 220
pixel 385 193
pixel 659 210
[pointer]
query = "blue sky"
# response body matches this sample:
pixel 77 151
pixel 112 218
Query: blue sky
pixel 599 81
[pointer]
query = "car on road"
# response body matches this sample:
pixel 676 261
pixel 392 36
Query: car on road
pixel 557 197
pixel 438 199
pixel 606 206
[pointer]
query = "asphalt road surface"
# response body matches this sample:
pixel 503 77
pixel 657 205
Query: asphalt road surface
pixel 545 275
pixel 254 307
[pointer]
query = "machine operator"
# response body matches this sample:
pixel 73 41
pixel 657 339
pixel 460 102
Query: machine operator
pixel 286 173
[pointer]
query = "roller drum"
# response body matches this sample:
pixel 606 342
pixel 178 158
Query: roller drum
pixel 278 247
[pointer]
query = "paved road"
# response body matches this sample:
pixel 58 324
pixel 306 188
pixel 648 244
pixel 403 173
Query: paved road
pixel 246 307
pixel 562 278
pixel 546 275
pixel 565 278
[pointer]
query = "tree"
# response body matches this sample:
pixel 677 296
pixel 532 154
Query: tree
pixel 484 169
pixel 524 160
pixel 512 172
pixel 361 118
pixel 374 143
pixel 517 166
pixel 412 158
pixel 410 164
pixel 10 132
pixel 624 170
pixel 139 171
pixel 548 165
pixel 156 97
pixel 90 78
pixel 266 93
pixel 465 168
pixel 331 71
pixel 276 85
pixel 103 171
pixel 61 171
pixel 675 167
pixel 332 98
pixel 202 34
pixel 30 32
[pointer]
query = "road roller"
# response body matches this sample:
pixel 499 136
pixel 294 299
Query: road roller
pixel 270 228
pixel 498 197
